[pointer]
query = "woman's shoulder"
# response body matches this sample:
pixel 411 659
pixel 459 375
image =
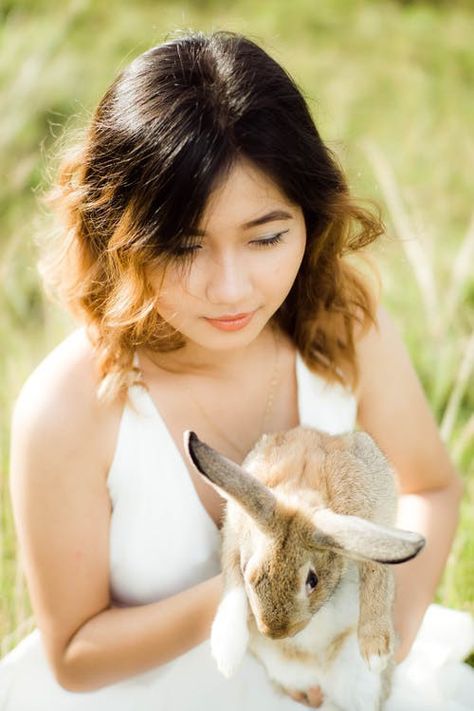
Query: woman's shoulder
pixel 59 398
pixel 65 379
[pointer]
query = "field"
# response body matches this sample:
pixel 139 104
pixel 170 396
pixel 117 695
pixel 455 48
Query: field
pixel 390 88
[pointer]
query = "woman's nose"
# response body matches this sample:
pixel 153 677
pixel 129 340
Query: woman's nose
pixel 229 282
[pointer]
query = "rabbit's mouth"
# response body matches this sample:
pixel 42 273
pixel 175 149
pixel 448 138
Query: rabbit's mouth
pixel 283 631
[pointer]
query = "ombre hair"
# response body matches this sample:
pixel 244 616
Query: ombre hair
pixel 166 132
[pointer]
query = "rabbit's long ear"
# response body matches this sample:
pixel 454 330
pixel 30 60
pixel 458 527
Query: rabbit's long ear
pixel 357 538
pixel 231 480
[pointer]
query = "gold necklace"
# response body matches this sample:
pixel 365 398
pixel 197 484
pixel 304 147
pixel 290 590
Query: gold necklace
pixel 267 409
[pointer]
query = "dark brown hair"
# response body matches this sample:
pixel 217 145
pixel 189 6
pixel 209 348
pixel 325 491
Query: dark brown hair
pixel 168 129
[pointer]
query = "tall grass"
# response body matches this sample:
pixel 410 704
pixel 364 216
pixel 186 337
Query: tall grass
pixel 444 321
pixel 442 313
pixel 390 86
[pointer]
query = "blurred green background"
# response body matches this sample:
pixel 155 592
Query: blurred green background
pixel 390 85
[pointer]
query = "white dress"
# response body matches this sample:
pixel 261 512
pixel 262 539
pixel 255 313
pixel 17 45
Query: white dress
pixel 162 540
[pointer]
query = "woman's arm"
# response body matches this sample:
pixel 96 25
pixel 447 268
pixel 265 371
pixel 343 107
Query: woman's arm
pixel 434 514
pixel 62 513
pixel 394 410
pixel 120 642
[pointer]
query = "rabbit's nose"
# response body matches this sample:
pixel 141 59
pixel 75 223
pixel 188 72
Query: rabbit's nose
pixel 273 632
pixel 280 631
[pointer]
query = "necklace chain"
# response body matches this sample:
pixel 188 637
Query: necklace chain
pixel 267 409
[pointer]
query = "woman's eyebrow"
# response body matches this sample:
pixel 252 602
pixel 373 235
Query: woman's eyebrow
pixel 268 217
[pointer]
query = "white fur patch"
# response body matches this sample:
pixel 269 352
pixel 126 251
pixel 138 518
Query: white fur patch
pixel 229 632
pixel 377 663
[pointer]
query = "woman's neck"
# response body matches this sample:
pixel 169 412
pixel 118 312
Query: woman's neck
pixel 196 359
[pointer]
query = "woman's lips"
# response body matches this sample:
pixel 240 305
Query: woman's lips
pixel 231 323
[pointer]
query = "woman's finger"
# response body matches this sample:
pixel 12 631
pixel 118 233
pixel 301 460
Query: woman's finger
pixel 297 696
pixel 315 696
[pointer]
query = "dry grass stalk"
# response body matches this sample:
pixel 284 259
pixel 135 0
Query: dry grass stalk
pixel 407 234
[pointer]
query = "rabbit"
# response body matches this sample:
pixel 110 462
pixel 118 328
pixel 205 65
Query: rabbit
pixel 307 534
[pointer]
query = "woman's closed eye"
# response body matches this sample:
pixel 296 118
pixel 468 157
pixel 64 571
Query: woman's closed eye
pixel 270 241
pixel 185 251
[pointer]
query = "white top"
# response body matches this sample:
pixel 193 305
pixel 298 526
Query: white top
pixel 162 540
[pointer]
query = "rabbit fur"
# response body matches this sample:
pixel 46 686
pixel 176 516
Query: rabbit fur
pixel 307 531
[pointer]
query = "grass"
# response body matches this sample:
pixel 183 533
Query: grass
pixel 390 87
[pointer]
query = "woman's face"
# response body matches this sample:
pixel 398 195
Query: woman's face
pixel 245 256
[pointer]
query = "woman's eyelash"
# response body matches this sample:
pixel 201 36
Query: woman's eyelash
pixel 267 242
pixel 185 251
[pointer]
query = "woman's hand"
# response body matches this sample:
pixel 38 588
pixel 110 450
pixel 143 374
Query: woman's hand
pixel 313 698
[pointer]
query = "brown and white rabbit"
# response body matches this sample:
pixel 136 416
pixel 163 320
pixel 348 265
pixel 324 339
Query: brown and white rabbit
pixel 306 539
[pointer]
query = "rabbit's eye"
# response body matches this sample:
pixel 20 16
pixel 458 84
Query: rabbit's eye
pixel 311 581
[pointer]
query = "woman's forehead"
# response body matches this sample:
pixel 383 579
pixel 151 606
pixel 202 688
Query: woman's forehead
pixel 244 198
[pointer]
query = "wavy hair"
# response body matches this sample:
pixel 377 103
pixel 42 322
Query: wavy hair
pixel 167 130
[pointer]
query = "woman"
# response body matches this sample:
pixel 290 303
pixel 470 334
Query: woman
pixel 206 245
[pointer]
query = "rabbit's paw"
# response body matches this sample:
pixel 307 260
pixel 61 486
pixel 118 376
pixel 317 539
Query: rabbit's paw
pixel 229 632
pixel 378 663
pixel 376 650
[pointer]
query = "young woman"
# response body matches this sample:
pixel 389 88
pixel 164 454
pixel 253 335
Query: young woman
pixel 208 250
